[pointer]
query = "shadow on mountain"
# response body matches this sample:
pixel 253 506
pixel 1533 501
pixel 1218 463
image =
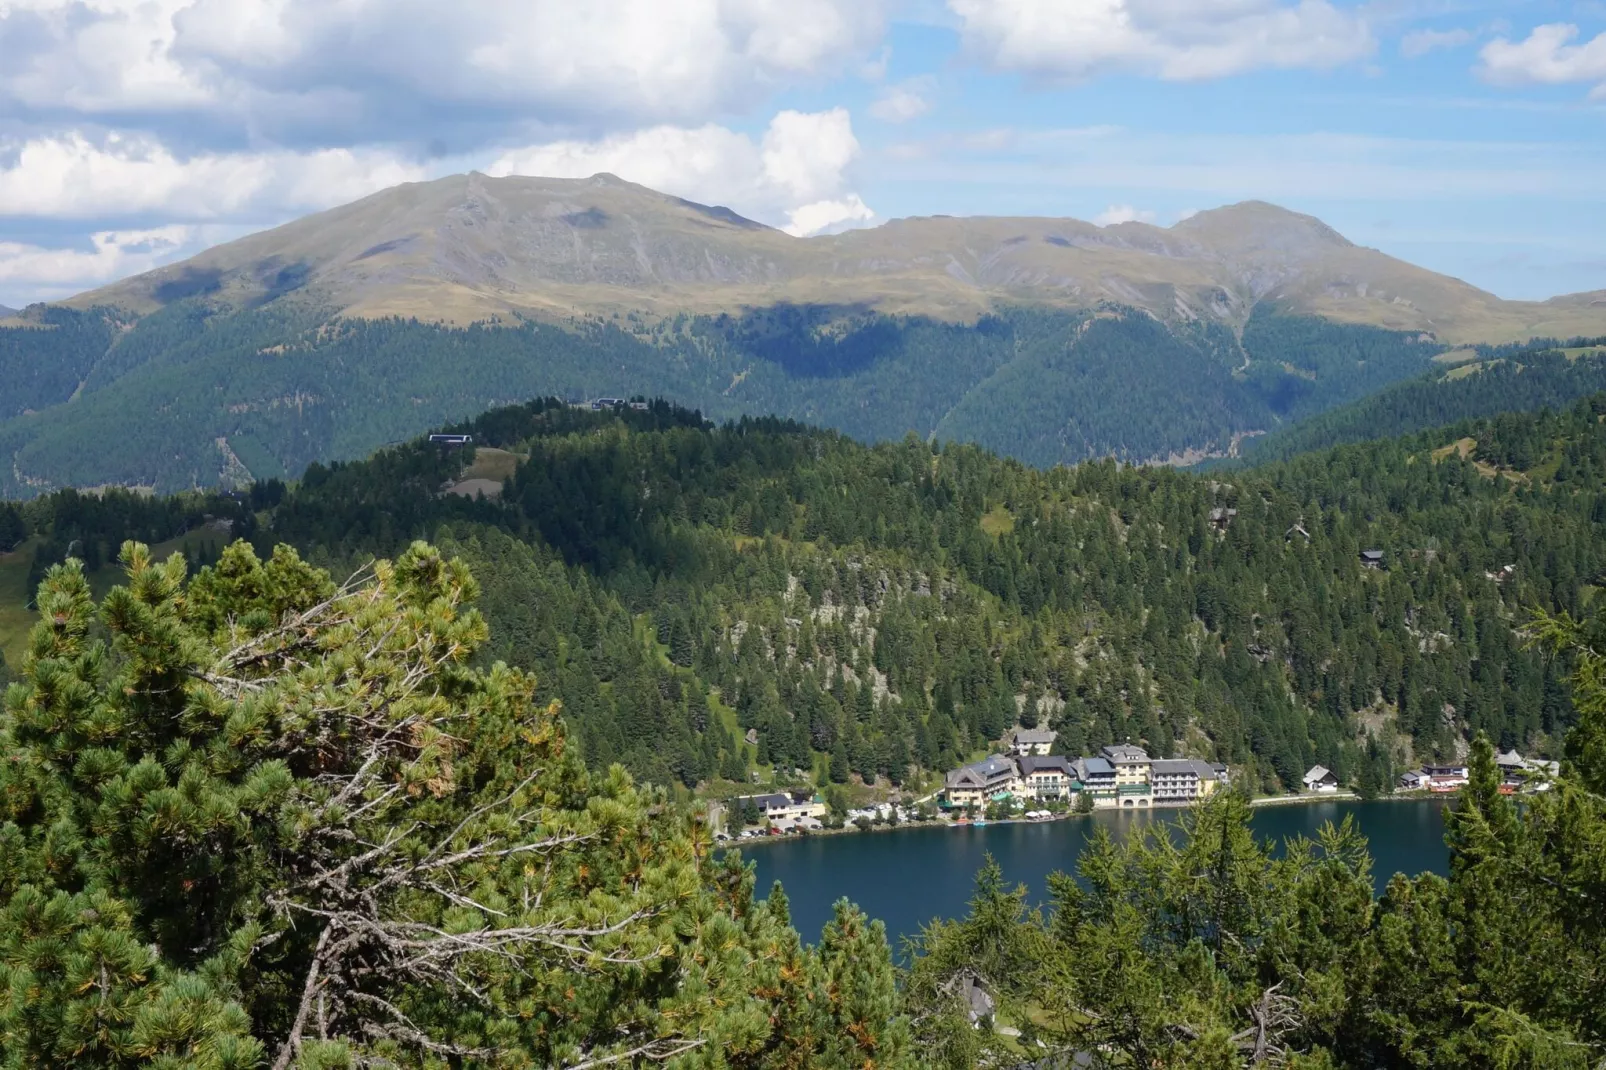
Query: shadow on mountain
pixel 192 282
pixel 814 341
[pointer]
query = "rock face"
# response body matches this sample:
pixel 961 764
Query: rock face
pixel 471 247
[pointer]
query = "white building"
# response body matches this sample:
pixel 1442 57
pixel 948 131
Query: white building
pixel 1181 780
pixel 1321 780
pixel 1032 741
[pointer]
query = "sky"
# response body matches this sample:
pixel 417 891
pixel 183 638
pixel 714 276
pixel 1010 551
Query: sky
pixel 1461 135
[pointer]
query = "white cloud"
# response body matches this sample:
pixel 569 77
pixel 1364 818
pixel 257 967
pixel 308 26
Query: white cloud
pixel 1546 57
pixel 1419 43
pixel 71 177
pixel 828 217
pixel 794 176
pixel 609 62
pixel 904 101
pixel 1122 213
pixel 1072 40
pixel 39 273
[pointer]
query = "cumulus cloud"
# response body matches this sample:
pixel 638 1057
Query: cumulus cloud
pixel 1419 43
pixel 601 63
pixel 41 273
pixel 794 176
pixel 72 177
pixel 1122 213
pixel 1546 57
pixel 1072 40
pixel 904 101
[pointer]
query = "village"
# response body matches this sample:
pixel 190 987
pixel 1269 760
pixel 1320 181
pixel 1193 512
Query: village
pixel 1030 783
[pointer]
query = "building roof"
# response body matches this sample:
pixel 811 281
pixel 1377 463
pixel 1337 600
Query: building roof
pixel 772 801
pixel 1183 767
pixel 1372 555
pixel 978 773
pixel 1095 767
pixel 1508 758
pixel 1125 753
pixel 1045 763
pixel 1035 735
pixel 1318 772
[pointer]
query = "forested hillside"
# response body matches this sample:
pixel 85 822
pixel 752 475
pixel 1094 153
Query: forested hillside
pixel 870 611
pixel 1520 380
pixel 196 395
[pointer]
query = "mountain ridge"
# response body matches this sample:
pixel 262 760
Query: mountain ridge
pixel 472 247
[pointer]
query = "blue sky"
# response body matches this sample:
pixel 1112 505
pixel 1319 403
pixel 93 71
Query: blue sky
pixel 1464 136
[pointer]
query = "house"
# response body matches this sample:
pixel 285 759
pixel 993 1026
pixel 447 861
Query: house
pixel 974 784
pixel 1032 741
pixel 1372 558
pixel 607 403
pixel 1530 774
pixel 1048 777
pixel 1181 780
pixel 1321 780
pixel 1097 777
pixel 779 806
pixel 1220 517
pixel 451 440
pixel 1415 780
pixel 1445 778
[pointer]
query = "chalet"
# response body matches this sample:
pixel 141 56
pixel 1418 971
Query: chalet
pixel 1032 741
pixel 1321 780
pixel 1415 780
pixel 1048 777
pixel 976 783
pixel 1181 780
pixel 451 440
pixel 1220 518
pixel 1371 558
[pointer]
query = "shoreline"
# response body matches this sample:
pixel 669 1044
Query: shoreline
pixel 1263 802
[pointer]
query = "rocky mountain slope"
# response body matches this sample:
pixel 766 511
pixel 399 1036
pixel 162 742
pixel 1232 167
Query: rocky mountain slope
pixel 471 247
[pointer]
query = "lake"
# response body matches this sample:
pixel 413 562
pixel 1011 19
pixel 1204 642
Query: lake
pixel 910 875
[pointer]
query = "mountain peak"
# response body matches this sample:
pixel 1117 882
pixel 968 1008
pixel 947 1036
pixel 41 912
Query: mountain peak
pixel 1258 226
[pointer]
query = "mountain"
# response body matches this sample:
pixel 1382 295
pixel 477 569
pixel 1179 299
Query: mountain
pixel 1521 381
pixel 471 247
pixel 1049 340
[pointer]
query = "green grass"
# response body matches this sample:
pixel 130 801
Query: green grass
pixel 999 521
pixel 15 616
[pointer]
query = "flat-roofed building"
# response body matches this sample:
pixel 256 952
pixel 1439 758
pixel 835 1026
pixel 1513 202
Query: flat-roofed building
pixel 1181 780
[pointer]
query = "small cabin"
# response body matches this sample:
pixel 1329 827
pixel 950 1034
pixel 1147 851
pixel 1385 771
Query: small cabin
pixel 1371 558
pixel 607 403
pixel 451 440
pixel 1321 780
pixel 1220 518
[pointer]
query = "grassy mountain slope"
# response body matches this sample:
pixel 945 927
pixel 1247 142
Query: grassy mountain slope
pixel 471 247
pixel 1050 340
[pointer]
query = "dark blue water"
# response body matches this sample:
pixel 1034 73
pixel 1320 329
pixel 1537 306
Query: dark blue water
pixel 909 876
